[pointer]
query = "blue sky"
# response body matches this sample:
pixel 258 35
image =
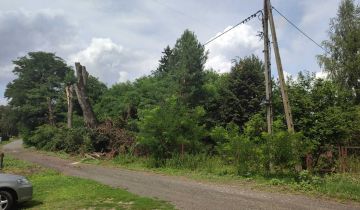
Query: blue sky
pixel 122 40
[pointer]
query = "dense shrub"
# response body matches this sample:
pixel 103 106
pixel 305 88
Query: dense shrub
pixel 254 151
pixel 51 138
pixel 40 137
pixel 283 150
pixel 237 149
pixel 170 129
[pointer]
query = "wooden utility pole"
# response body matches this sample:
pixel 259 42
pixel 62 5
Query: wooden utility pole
pixel 285 98
pixel 268 85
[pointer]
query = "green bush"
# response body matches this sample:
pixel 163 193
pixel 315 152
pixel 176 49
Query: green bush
pixel 254 151
pixel 41 136
pixel 284 150
pixel 51 138
pixel 167 129
pixel 237 149
pixel 77 140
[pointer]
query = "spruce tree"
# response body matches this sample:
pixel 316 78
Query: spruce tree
pixel 187 68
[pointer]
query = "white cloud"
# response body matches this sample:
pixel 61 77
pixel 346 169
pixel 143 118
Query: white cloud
pixel 3 101
pixel 123 76
pixel 6 73
pixel 96 50
pixel 241 41
pixel 321 75
pixel 219 63
pixel 111 62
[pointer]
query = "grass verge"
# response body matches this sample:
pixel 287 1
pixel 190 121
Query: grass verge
pixel 337 186
pixel 341 187
pixel 53 190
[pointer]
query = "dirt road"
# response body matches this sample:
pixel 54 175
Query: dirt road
pixel 182 192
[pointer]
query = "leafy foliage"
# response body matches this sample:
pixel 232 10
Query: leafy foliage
pixel 8 122
pixel 37 88
pixel 317 104
pixel 165 129
pixel 255 151
pixel 47 137
pixel 343 61
pixel 243 91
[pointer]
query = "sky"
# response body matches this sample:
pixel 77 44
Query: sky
pixel 121 40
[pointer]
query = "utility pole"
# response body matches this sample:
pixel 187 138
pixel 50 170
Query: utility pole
pixel 285 98
pixel 268 85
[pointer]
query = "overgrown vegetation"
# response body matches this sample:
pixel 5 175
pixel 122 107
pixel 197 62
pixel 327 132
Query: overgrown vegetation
pixel 183 115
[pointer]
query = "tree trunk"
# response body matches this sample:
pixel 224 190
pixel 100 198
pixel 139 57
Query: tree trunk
pixel 89 116
pixel 51 112
pixel 357 95
pixel 70 104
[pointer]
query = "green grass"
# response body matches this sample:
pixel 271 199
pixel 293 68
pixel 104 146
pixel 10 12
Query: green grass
pixel 344 186
pixel 53 190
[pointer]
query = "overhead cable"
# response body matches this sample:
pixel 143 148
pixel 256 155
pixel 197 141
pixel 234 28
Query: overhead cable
pixel 242 22
pixel 301 31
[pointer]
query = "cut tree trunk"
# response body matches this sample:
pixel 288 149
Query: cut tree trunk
pixel 51 112
pixel 70 104
pixel 89 116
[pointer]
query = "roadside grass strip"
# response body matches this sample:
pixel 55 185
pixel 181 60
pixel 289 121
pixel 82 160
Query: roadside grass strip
pixel 53 190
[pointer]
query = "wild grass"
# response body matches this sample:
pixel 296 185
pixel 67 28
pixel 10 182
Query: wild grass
pixel 343 186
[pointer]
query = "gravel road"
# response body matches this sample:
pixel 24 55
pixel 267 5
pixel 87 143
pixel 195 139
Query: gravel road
pixel 182 192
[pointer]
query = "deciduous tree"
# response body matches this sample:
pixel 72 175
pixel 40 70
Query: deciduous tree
pixel 342 60
pixel 37 88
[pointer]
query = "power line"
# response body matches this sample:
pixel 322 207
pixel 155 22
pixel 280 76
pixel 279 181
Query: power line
pixel 301 31
pixel 242 22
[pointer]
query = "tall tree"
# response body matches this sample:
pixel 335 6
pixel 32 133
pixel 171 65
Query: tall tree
pixel 243 91
pixel 343 59
pixel 37 88
pixel 187 68
pixel 163 67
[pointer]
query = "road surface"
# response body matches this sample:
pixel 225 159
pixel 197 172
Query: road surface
pixel 182 192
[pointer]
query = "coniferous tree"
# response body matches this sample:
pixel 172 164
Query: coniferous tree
pixel 163 67
pixel 187 68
